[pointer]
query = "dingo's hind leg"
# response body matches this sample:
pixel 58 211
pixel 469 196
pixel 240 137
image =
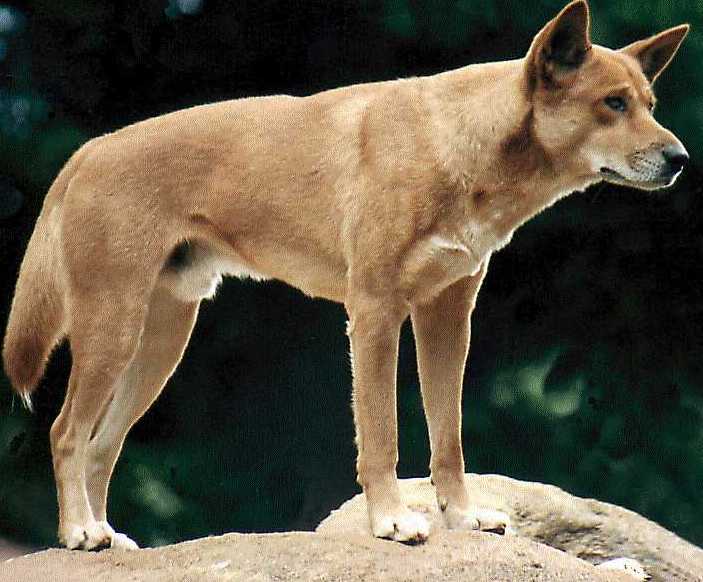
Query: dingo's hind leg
pixel 169 323
pixel 104 335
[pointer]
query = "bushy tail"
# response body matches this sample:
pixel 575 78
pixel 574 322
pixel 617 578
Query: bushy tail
pixel 37 316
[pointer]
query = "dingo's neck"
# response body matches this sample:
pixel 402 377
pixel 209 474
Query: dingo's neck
pixel 486 144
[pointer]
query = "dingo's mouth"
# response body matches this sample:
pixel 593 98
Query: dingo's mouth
pixel 608 173
pixel 614 177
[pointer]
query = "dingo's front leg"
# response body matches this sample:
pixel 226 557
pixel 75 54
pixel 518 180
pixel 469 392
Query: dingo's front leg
pixel 442 332
pixel 374 330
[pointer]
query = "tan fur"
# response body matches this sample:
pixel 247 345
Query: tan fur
pixel 389 197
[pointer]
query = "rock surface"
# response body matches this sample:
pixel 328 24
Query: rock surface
pixel 10 550
pixel 342 550
pixel 591 530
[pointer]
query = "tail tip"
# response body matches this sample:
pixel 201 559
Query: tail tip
pixel 27 401
pixel 24 366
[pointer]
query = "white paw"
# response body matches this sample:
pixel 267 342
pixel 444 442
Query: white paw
pixel 91 536
pixel 404 526
pixel 118 541
pixel 94 536
pixel 478 519
pixel 122 542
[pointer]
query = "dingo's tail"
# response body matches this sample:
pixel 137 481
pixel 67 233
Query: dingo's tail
pixel 37 321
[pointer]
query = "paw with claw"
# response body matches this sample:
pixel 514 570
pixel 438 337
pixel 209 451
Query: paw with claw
pixel 95 535
pixel 477 518
pixel 401 525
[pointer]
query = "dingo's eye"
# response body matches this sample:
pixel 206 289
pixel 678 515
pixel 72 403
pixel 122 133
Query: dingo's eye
pixel 616 103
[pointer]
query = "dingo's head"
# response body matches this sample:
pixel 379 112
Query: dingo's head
pixel 592 106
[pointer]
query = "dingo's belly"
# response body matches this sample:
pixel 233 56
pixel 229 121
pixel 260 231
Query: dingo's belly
pixel 195 270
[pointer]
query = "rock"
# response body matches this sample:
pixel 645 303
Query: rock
pixel 12 550
pixel 632 567
pixel 588 529
pixel 342 549
pixel 448 556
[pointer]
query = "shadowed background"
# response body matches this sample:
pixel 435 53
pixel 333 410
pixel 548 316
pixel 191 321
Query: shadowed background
pixel 585 367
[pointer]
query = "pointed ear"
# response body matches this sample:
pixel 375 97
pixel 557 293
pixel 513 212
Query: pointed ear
pixel 655 53
pixel 561 46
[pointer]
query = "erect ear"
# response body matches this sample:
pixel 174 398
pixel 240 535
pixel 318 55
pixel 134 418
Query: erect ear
pixel 655 53
pixel 561 46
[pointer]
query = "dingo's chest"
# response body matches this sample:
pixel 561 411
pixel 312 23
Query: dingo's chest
pixel 444 257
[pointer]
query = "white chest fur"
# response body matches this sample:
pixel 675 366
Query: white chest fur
pixel 449 254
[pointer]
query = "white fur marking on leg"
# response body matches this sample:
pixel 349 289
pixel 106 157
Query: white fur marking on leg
pixel 478 519
pixel 408 526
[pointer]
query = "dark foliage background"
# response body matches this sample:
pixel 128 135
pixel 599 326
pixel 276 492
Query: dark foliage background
pixel 585 369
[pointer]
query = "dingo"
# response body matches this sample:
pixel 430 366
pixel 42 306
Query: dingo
pixel 388 197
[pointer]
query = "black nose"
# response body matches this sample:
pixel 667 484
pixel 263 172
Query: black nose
pixel 676 156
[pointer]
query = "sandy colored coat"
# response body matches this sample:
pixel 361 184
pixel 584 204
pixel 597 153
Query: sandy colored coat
pixel 388 197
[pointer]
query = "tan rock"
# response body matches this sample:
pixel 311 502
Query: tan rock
pixel 342 549
pixel 592 530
